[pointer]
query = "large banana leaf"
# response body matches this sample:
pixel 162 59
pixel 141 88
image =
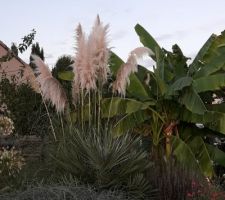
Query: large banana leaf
pixel 66 75
pixel 216 154
pixel 217 107
pixel 215 64
pixel 194 154
pixel 177 61
pixel 197 62
pixel 190 117
pixel 211 119
pixel 137 89
pixel 179 84
pixel 192 101
pixel 209 83
pixel 117 106
pixel 212 56
pixel 130 113
pixel 183 153
pixel 147 40
pixel 201 153
pixel 216 47
pixel 130 121
pixel 160 64
pixel 115 63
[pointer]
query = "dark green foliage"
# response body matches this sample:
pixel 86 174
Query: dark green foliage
pixel 63 65
pixel 28 112
pixel 27 41
pixel 64 192
pixel 174 180
pixel 105 162
pixel 35 49
pixel 14 49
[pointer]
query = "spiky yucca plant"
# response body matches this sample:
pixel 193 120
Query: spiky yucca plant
pixel 99 159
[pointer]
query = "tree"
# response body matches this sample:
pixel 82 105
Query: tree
pixel 35 49
pixel 64 63
pixel 62 68
pixel 14 49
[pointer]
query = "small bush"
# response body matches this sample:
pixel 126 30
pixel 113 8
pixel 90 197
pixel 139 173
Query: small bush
pixel 27 109
pixel 106 162
pixel 63 192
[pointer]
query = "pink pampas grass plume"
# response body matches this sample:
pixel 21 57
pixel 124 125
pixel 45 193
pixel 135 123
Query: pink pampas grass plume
pixel 98 45
pixel 122 77
pixel 51 89
pixel 91 59
pixel 84 71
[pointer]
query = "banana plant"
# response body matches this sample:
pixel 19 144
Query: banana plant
pixel 183 95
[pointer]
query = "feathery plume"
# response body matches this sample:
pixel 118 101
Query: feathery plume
pixel 51 89
pixel 83 70
pixel 98 45
pixel 122 77
pixel 91 59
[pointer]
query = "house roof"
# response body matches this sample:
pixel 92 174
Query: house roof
pixel 31 77
pixel 15 56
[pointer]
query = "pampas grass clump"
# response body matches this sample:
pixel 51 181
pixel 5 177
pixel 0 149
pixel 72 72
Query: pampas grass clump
pixel 50 87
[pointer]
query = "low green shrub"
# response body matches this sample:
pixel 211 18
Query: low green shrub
pixel 99 159
pixel 26 106
pixel 63 192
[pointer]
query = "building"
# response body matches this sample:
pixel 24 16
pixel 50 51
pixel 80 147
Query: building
pixel 16 69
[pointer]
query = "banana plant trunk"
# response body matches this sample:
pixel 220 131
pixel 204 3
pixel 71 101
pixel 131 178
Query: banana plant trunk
pixel 168 131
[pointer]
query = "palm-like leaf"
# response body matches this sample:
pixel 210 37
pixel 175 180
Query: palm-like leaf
pixel 102 160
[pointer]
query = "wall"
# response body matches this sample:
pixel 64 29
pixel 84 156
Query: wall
pixel 14 67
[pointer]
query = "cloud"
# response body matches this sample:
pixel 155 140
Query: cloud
pixel 212 24
pixel 183 33
pixel 49 55
pixel 119 34
pixel 177 34
pixel 164 37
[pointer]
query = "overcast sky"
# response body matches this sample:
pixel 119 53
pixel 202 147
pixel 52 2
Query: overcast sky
pixel 188 23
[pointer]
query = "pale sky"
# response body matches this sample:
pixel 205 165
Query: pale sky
pixel 189 23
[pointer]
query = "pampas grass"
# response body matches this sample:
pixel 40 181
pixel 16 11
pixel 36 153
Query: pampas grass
pixel 91 71
pixel 97 42
pixel 122 78
pixel 91 59
pixel 51 89
pixel 83 69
